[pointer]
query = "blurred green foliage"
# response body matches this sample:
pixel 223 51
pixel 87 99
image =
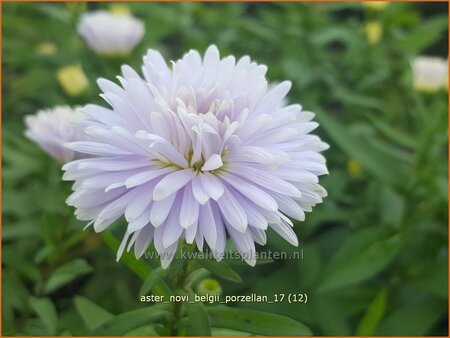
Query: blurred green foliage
pixel 375 253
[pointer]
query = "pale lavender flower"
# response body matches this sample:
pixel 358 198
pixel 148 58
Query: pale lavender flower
pixel 109 33
pixel 197 152
pixel 50 129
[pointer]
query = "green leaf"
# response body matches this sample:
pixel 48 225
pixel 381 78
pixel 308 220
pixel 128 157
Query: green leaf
pixel 425 34
pixel 92 314
pixel 18 294
pixel 138 267
pixel 13 259
pixel 46 311
pixel 391 205
pixel 240 262
pixel 128 321
pixel 256 322
pixel 414 318
pixel 372 317
pixel 358 100
pixel 330 317
pixel 217 331
pixel 394 134
pixel 362 256
pixel 19 230
pixel 198 318
pixel 196 276
pixel 220 269
pixel 371 159
pixel 67 273
pixel 43 253
pixel 154 277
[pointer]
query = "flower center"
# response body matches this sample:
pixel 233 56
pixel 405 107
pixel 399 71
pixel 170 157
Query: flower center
pixel 197 166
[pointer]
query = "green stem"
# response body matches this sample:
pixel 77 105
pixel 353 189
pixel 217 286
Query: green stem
pixel 179 286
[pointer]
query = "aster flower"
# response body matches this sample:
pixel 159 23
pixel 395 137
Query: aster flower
pixel 429 73
pixel 197 152
pixel 110 34
pixel 50 129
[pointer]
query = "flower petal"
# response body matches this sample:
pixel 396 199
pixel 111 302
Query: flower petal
pixel 189 208
pixel 172 183
pixel 212 185
pixel 232 211
pixel 212 163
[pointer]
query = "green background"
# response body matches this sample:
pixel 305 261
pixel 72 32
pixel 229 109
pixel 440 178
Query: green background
pixel 375 252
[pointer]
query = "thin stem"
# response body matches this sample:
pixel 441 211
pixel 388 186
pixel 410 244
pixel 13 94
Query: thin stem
pixel 179 287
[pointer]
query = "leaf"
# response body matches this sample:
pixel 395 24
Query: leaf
pixel 359 100
pixel 240 262
pixel 362 256
pixel 198 318
pixel 415 318
pixel 227 332
pixel 13 259
pixel 196 276
pixel 128 321
pixel 220 269
pixel 392 133
pixel 18 294
pixel 425 34
pixel 154 277
pixel 67 273
pixel 331 318
pixel 257 322
pixel 46 311
pixel 43 253
pixel 371 159
pixel 138 267
pixel 19 230
pixel 391 205
pixel 372 317
pixel 92 314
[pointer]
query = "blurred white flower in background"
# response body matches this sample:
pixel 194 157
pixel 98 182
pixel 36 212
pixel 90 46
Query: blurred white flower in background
pixel 109 33
pixel 51 128
pixel 430 73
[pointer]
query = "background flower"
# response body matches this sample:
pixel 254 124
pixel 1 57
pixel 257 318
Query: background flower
pixel 376 5
pixel 73 80
pixel 374 31
pixel 110 33
pixel 429 73
pixel 196 152
pixel 52 128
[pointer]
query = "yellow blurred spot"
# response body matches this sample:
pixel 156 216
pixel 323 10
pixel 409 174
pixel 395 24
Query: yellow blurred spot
pixel 354 168
pixel 46 48
pixel 118 9
pixel 209 286
pixel 373 31
pixel 73 80
pixel 425 88
pixel 376 5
